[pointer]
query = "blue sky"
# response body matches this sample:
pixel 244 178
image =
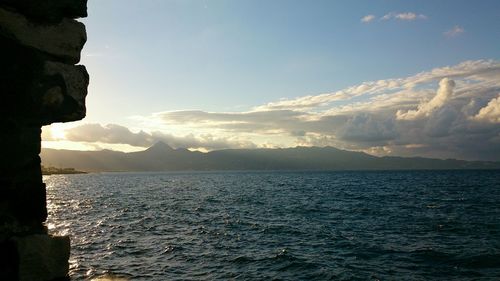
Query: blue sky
pixel 151 57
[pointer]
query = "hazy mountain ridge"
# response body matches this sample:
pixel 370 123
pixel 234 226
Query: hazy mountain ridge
pixel 161 157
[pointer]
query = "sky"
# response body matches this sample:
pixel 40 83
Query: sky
pixel 405 78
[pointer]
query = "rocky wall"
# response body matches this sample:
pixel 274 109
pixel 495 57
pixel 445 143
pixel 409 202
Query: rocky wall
pixel 40 83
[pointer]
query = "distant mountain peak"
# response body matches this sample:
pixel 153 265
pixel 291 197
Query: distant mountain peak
pixel 160 146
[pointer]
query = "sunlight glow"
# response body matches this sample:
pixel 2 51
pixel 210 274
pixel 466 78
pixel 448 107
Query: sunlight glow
pixel 86 146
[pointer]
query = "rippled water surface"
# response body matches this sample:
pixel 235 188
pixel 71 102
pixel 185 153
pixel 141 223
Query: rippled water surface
pixel 280 225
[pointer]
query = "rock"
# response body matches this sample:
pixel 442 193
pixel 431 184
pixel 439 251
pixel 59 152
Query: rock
pixel 49 10
pixel 63 40
pixel 22 146
pixel 38 92
pixel 22 193
pixel 65 101
pixel 23 203
pixel 42 257
pixel 20 67
pixel 40 43
pixel 53 98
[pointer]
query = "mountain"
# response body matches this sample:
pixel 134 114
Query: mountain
pixel 161 157
pixel 160 148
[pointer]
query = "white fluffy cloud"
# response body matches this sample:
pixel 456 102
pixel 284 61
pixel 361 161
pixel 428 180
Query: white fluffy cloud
pixel 491 112
pixel 404 90
pixel 367 18
pixel 425 109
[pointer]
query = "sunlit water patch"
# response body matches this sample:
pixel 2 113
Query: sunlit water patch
pixel 279 225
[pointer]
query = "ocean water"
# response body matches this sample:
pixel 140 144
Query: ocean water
pixel 408 225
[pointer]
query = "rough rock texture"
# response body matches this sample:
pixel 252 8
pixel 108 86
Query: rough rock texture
pixel 64 40
pixel 40 43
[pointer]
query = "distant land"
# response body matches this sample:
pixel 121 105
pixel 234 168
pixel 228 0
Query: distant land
pixel 59 171
pixel 161 157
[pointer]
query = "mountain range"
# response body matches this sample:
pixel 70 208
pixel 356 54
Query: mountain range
pixel 161 157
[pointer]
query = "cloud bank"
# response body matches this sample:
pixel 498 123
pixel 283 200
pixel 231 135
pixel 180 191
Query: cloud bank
pixel 446 112
pixel 116 134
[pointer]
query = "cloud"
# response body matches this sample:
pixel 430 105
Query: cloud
pixel 267 122
pixel 443 112
pixel 491 112
pixel 321 100
pixel 391 91
pixel 47 134
pixel 368 128
pixel 367 18
pixel 107 134
pixel 196 116
pixel 116 134
pixel 454 32
pixel 426 108
pixel 407 16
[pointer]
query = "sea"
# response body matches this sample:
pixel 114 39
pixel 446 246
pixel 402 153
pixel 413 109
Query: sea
pixel 279 225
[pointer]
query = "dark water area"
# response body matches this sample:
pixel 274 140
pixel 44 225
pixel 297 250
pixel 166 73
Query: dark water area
pixel 405 225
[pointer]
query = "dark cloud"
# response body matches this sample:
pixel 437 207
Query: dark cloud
pixel 366 128
pixel 108 134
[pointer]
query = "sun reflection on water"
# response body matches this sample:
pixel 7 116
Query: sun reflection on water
pixel 108 277
pixel 56 226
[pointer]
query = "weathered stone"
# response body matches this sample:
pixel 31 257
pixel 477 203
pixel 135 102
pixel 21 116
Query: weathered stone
pixel 64 40
pixel 36 91
pixel 42 257
pixel 53 98
pixel 66 102
pixel 39 84
pixel 22 148
pixel 25 203
pixel 49 10
pixel 20 66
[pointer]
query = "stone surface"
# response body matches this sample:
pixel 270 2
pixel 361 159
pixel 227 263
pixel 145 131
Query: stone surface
pixel 22 193
pixel 24 203
pixel 64 40
pixel 37 91
pixel 66 102
pixel 20 69
pixel 48 10
pixel 40 43
pixel 42 257
pixel 21 148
